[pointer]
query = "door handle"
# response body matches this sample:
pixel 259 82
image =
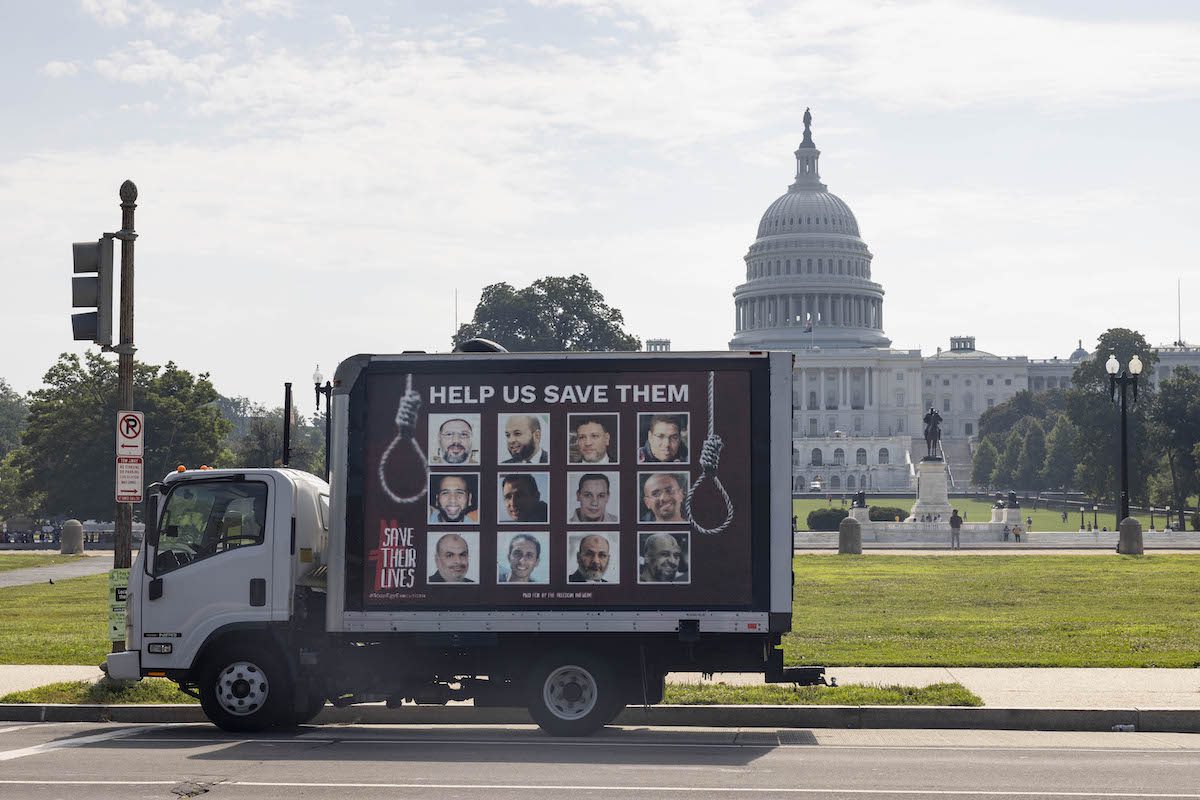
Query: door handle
pixel 258 591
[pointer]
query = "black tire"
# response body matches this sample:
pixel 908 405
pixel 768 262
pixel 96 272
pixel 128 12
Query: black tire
pixel 573 693
pixel 245 687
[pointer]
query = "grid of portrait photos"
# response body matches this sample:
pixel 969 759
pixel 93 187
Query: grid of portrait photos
pixel 516 465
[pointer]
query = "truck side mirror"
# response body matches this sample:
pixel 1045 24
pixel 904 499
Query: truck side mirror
pixel 150 519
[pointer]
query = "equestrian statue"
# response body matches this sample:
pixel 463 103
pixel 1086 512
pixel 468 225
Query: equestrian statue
pixel 933 434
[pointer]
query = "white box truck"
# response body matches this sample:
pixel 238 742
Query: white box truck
pixel 552 531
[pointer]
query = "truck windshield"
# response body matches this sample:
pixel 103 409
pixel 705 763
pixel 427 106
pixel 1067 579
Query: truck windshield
pixel 201 520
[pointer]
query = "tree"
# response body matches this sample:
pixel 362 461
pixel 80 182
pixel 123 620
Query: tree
pixel 1058 471
pixel 13 501
pixel 68 448
pixel 1042 406
pixel 13 410
pixel 984 464
pixel 1031 457
pixel 1098 419
pixel 1005 473
pixel 552 314
pixel 1175 426
pixel 261 443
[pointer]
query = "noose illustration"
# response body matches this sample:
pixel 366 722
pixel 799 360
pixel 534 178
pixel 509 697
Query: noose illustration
pixel 710 457
pixel 406 425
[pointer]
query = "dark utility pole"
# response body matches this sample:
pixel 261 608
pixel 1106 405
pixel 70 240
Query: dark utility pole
pixel 125 350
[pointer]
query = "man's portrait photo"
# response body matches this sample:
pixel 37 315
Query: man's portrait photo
pixel 453 498
pixel 522 437
pixel 524 497
pixel 450 558
pixel 523 557
pixel 663 557
pixel 595 493
pixel 661 496
pixel 453 439
pixel 663 438
pixel 592 438
pixel 595 556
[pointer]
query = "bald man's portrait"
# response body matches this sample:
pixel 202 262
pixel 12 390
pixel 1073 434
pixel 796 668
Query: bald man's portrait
pixel 450 558
pixel 663 557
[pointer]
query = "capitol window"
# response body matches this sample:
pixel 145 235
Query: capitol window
pixel 990 382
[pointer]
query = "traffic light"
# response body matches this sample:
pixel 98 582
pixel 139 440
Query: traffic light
pixel 93 291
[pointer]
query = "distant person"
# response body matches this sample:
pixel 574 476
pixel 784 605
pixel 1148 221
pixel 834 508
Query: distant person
pixel 453 559
pixel 592 497
pixel 1006 532
pixel 1016 533
pixel 523 439
pixel 456 443
pixel 662 497
pixel 593 437
pixel 664 441
pixel 1064 517
pixel 453 502
pixel 591 559
pixel 522 499
pixel 524 555
pixel 1028 524
pixel 955 529
pixel 662 560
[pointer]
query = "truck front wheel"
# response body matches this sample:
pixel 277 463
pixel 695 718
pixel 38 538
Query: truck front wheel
pixel 244 688
pixel 573 693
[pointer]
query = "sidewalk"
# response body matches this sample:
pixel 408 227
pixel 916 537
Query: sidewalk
pixel 1017 687
pixel 87 565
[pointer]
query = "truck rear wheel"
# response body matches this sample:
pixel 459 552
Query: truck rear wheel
pixel 573 693
pixel 245 688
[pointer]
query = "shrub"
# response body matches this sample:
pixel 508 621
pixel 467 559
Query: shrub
pixel 826 519
pixel 1196 520
pixel 886 513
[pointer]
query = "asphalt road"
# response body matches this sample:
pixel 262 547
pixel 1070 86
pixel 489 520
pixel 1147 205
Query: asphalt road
pixel 498 763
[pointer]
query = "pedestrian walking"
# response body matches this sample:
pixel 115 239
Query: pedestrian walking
pixel 955 530
pixel 1006 533
pixel 1016 533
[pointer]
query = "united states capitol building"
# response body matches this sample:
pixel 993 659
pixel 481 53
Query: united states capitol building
pixel 858 402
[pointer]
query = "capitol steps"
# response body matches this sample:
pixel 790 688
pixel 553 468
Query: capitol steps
pixel 933 536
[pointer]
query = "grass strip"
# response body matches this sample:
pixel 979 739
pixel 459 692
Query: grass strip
pixel 160 690
pixel 61 623
pixel 721 694
pixel 102 692
pixel 11 561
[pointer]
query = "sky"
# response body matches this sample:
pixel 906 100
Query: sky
pixel 320 179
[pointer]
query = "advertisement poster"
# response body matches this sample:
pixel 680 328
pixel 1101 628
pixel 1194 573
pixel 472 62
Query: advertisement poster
pixel 556 490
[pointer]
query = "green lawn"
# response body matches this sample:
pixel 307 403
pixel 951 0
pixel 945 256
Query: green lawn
pixel 10 561
pixel 996 611
pixel 61 623
pixel 874 610
pixel 976 511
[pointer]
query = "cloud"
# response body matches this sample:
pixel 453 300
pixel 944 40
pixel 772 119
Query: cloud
pixel 60 69
pixel 112 13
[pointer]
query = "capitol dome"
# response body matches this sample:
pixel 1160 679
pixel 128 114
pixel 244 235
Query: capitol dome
pixel 808 272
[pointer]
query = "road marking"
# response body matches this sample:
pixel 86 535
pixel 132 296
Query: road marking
pixel 59 744
pixel 15 728
pixel 86 783
pixel 525 787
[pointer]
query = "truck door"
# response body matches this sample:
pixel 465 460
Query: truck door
pixel 212 566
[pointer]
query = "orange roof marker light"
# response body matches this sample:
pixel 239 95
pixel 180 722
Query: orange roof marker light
pixel 205 466
pixel 181 468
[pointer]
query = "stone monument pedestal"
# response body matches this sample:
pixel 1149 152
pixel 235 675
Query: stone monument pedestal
pixel 933 498
pixel 860 514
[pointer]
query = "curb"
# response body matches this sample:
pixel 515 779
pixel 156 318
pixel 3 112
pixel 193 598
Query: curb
pixel 1163 720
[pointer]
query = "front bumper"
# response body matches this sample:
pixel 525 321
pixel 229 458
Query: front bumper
pixel 126 666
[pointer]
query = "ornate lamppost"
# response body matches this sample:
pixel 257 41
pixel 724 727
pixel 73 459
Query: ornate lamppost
pixel 1095 517
pixel 1125 379
pixel 1082 509
pixel 326 390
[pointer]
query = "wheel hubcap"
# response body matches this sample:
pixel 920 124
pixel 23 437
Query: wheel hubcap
pixel 242 688
pixel 570 692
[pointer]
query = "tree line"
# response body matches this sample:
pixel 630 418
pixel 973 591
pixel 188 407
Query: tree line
pixel 1068 439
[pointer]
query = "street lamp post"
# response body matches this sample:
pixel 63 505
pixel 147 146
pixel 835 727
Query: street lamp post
pixel 326 390
pixel 1082 509
pixel 1095 519
pixel 1151 516
pixel 1167 524
pixel 1125 379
